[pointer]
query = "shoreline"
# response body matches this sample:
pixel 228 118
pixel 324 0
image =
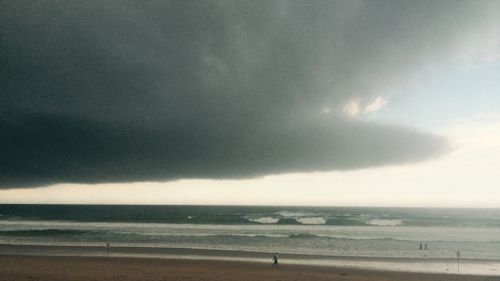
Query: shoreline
pixel 403 265
pixel 19 249
pixel 23 268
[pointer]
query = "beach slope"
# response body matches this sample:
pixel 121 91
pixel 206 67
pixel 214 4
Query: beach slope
pixel 24 268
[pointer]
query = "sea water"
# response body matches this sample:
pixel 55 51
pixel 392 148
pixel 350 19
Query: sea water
pixel 414 239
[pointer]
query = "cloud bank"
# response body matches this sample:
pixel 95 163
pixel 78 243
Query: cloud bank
pixel 118 91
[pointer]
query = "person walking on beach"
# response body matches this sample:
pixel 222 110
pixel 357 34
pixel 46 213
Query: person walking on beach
pixel 107 249
pixel 275 260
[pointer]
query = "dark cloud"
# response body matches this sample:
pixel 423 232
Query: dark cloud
pixel 116 91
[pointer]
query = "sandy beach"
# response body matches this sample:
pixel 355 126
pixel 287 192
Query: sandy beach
pixel 20 268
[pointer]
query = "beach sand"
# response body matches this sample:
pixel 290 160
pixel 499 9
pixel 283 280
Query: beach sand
pixel 24 268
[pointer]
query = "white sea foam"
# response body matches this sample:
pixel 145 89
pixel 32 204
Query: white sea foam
pixel 312 220
pixel 385 222
pixel 302 217
pixel 268 220
pixel 292 214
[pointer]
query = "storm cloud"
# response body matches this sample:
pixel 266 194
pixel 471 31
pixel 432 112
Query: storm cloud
pixel 119 91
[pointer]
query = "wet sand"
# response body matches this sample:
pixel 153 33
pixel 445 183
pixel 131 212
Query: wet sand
pixel 24 268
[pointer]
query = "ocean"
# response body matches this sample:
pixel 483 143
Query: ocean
pixel 413 239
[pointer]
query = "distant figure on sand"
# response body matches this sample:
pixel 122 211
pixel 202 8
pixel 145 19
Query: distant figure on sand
pixel 420 246
pixel 107 249
pixel 425 246
pixel 275 260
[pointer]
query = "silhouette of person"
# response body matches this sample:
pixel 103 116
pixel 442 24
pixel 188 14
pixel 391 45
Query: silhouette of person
pixel 107 249
pixel 420 246
pixel 425 246
pixel 275 260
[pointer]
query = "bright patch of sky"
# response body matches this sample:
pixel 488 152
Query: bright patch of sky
pixel 441 96
pixel 356 107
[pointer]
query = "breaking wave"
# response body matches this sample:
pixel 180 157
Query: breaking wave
pixel 382 222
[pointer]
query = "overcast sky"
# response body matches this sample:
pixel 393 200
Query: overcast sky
pixel 367 103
